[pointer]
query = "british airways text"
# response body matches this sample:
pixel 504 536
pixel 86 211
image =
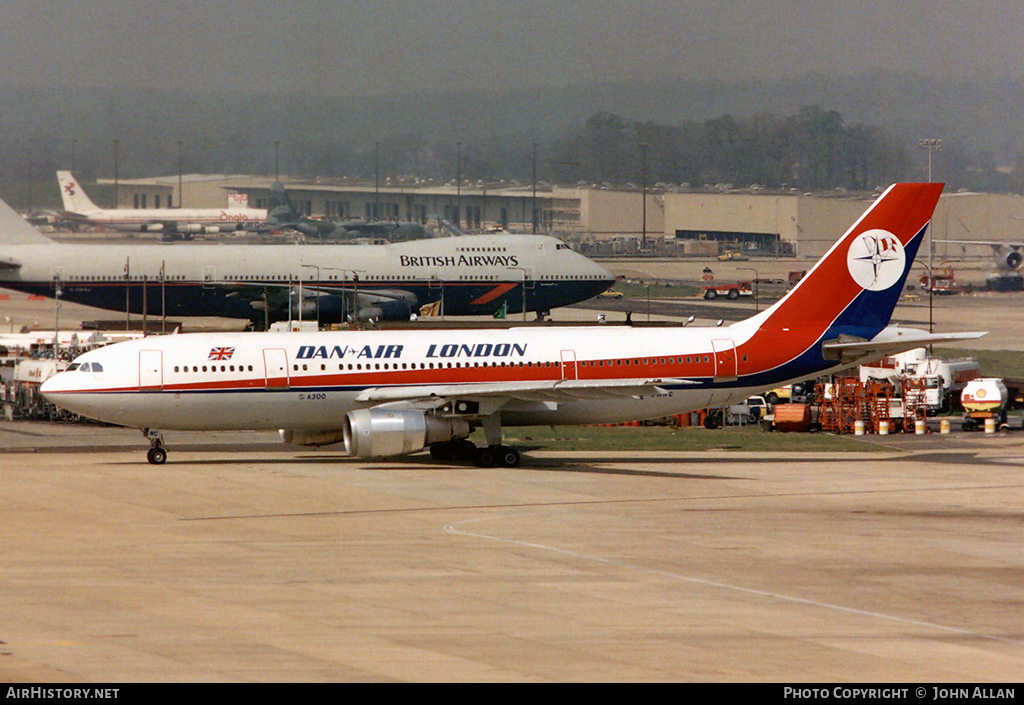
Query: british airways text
pixel 460 261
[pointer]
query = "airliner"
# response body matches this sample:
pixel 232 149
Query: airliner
pixel 456 276
pixel 175 223
pixel 1008 255
pixel 386 393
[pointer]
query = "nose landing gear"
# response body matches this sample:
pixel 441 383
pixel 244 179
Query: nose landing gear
pixel 157 454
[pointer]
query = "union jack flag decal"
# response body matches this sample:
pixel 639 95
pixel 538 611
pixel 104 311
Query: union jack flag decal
pixel 221 353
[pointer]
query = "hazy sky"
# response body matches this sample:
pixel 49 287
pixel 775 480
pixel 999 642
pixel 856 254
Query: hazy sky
pixel 343 47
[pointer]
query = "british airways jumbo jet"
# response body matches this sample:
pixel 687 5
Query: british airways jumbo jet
pixel 455 276
pixel 388 393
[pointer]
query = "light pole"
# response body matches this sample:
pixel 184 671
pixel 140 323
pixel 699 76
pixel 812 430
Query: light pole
pixel 932 145
pixel 458 185
pixel 757 287
pixel 355 290
pixel 643 164
pixel 533 205
pixel 180 145
pixel 116 194
pixel 30 171
pixel 317 268
pixel 56 317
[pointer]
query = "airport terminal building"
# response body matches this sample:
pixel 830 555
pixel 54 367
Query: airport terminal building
pixel 603 219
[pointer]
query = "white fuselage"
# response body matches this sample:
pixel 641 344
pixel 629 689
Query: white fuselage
pixel 311 380
pixel 175 219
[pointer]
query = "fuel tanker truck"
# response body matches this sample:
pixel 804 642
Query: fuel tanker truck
pixel 984 400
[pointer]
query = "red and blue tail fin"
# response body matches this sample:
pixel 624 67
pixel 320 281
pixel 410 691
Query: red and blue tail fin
pixel 854 288
pixel 850 294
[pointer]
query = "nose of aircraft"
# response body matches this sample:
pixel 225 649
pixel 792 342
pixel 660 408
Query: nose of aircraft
pixel 55 389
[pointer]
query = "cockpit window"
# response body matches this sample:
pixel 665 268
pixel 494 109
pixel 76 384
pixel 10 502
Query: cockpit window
pixel 87 367
pixel 97 367
pixel 72 367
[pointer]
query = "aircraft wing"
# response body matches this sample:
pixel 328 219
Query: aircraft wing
pixel 890 341
pixel 990 243
pixel 280 290
pixel 544 390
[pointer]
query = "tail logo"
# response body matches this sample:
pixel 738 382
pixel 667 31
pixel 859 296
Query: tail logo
pixel 876 260
pixel 70 188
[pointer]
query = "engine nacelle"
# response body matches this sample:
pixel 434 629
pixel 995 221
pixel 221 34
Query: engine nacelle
pixel 376 433
pixel 385 311
pixel 310 438
pixel 211 229
pixel 1009 258
pixel 308 311
pixel 188 227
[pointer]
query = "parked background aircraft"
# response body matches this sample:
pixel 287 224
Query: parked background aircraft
pixel 386 393
pixel 391 231
pixel 283 215
pixel 1008 255
pixel 174 223
pixel 470 275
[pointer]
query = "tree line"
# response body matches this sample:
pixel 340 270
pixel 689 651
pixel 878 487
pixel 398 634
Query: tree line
pixel 812 149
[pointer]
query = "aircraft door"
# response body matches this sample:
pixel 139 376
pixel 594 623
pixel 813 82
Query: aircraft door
pixel 569 367
pixel 275 362
pixel 151 370
pixel 725 360
pixel 527 292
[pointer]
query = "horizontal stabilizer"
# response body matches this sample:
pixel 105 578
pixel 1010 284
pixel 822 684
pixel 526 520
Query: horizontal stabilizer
pixel 890 341
pixel 9 263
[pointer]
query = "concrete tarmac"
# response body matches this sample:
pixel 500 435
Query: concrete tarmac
pixel 245 560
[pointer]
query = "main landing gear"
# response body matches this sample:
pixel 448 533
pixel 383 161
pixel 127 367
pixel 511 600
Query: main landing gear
pixel 485 456
pixel 494 454
pixel 157 454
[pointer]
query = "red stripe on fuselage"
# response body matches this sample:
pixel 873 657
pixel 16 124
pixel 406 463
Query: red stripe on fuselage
pixel 701 366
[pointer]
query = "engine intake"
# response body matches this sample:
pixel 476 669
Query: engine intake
pixel 375 433
pixel 1010 258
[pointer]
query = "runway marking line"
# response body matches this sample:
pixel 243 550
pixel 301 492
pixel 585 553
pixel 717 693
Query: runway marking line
pixel 452 529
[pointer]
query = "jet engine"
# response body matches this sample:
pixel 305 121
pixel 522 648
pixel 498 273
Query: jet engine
pixel 385 311
pixel 1009 257
pixel 370 433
